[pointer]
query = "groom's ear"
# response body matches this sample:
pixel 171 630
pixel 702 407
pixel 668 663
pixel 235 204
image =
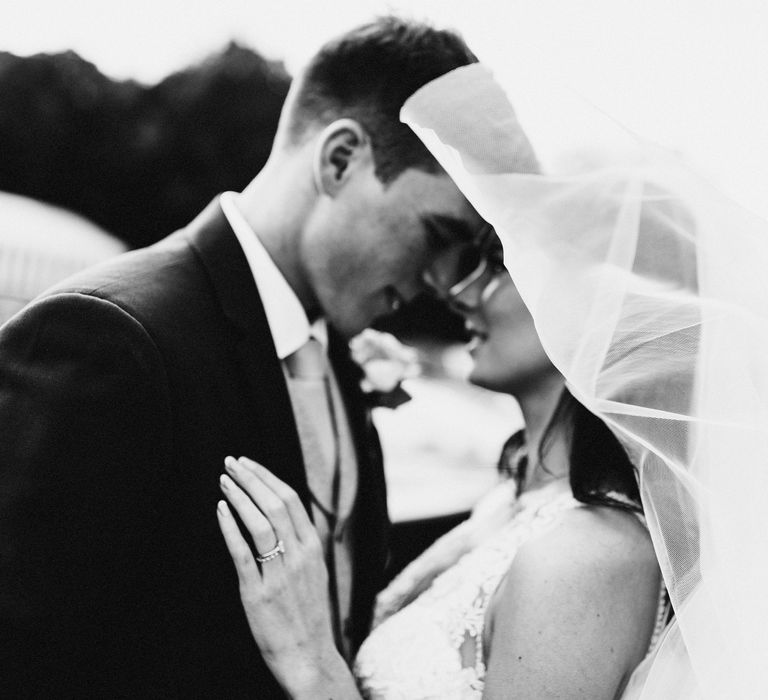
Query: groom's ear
pixel 342 147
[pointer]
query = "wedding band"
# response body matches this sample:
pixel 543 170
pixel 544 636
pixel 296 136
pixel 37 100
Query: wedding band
pixel 276 551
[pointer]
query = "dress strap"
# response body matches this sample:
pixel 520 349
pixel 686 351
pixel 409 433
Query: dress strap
pixel 662 615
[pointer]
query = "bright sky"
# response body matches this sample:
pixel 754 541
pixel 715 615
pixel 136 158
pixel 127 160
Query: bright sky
pixel 692 74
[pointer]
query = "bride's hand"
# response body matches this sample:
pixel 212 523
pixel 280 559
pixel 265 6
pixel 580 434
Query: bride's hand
pixel 285 596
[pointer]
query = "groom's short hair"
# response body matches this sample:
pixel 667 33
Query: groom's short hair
pixel 367 74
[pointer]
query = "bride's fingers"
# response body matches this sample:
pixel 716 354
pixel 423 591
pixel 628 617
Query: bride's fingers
pixel 263 532
pixel 266 500
pixel 289 497
pixel 245 564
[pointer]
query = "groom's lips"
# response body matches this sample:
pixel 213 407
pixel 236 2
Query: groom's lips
pixel 476 337
pixel 394 299
pixel 476 341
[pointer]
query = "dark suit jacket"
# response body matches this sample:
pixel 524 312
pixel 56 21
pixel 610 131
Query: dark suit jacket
pixel 121 393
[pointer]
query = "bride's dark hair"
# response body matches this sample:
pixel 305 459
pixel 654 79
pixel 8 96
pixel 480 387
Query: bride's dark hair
pixel 598 463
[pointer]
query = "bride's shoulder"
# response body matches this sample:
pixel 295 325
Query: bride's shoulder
pixel 593 542
pixel 586 590
pixel 602 533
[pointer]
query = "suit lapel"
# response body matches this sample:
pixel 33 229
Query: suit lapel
pixel 275 440
pixel 349 374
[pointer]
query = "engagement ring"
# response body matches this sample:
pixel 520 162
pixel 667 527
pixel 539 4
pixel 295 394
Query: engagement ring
pixel 276 551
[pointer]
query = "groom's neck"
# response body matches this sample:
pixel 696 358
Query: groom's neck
pixel 277 207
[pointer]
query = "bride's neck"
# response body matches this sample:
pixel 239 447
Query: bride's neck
pixel 537 404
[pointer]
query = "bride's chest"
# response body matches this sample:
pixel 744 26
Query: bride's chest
pixel 433 648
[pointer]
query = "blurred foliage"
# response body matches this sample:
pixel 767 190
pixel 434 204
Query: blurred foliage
pixel 139 160
pixel 143 160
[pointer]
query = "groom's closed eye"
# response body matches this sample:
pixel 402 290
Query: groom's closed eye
pixel 457 249
pixel 443 231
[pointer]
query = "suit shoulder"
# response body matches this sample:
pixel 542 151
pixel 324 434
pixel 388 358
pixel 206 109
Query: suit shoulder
pixel 159 285
pixel 134 271
pixel 73 324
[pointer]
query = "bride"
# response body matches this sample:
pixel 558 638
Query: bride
pixel 636 307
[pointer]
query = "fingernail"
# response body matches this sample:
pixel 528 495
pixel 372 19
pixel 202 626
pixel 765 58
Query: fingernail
pixel 221 507
pixel 247 463
pixel 224 480
pixel 230 462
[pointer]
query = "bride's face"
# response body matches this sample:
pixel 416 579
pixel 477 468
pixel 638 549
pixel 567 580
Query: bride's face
pixel 508 356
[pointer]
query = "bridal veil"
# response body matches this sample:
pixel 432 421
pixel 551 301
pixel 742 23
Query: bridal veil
pixel 649 290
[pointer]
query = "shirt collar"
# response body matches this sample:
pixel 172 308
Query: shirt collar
pixel 288 322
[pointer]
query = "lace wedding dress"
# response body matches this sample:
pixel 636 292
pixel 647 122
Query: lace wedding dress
pixel 433 647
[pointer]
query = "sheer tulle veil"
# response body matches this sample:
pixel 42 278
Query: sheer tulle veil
pixel 649 291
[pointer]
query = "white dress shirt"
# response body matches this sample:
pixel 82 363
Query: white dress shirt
pixel 288 322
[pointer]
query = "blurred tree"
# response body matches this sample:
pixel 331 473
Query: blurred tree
pixel 58 116
pixel 139 160
pixel 212 128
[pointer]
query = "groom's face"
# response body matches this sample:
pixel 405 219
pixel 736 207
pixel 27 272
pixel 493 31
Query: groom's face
pixel 371 254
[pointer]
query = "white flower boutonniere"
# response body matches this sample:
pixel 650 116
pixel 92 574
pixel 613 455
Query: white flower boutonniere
pixel 386 362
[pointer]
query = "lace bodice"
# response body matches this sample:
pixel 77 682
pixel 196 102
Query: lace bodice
pixel 432 648
pixel 420 652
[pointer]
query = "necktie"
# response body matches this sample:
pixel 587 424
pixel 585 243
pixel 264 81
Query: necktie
pixel 331 466
pixel 308 362
pixel 317 423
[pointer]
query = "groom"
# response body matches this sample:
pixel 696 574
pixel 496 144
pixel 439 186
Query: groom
pixel 122 391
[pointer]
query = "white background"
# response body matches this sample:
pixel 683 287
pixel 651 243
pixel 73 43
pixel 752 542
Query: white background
pixel 691 74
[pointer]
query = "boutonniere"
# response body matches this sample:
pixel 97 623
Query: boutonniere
pixel 385 362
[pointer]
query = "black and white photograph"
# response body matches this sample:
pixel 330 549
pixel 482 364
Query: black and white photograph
pixel 384 350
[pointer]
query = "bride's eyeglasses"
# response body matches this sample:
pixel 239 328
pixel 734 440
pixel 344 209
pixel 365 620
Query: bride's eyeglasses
pixel 480 261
